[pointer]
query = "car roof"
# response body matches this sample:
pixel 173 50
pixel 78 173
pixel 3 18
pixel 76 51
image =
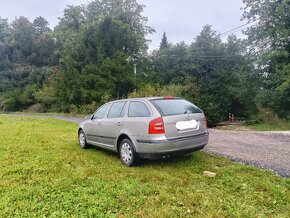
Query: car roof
pixel 144 98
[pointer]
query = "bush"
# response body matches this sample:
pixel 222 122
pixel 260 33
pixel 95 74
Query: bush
pixel 214 112
pixel 150 90
pixel 10 104
pixel 36 108
pixel 268 116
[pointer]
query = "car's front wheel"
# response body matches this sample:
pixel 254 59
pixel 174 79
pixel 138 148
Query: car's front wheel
pixel 82 139
pixel 127 153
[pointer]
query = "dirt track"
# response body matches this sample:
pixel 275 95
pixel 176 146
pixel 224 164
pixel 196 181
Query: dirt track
pixel 270 150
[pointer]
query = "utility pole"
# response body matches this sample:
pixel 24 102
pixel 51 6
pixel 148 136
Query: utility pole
pixel 135 71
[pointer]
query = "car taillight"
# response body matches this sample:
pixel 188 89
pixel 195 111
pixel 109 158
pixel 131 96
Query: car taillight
pixel 205 122
pixel 156 126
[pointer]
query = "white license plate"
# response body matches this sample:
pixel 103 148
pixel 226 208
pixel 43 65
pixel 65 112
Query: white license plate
pixel 183 125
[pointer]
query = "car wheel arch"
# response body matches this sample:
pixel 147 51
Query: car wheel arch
pixel 80 129
pixel 120 138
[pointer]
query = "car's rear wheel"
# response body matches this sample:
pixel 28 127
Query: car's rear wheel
pixel 127 153
pixel 82 140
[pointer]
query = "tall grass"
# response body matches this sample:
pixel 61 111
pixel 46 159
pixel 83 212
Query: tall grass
pixel 269 121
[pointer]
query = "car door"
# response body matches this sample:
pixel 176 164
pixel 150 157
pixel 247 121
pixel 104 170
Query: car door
pixel 181 118
pixel 112 124
pixel 93 127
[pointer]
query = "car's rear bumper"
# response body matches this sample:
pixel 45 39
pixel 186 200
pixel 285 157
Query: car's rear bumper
pixel 170 154
pixel 168 147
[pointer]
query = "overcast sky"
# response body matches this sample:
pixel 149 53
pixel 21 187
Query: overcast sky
pixel 182 20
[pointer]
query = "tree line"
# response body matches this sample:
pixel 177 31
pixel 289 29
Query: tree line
pixel 88 59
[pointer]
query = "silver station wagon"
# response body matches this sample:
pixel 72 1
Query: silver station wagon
pixel 155 127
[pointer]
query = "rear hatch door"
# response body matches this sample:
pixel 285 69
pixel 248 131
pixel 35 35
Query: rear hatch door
pixel 181 118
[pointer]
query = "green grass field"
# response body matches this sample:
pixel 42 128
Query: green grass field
pixel 48 114
pixel 45 173
pixel 281 126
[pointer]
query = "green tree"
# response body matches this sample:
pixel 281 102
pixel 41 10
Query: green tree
pixel 269 40
pixel 101 42
pixel 45 52
pixel 27 57
pixel 40 26
pixel 171 64
pixel 164 42
pixel 220 72
pixel 5 45
pixel 23 39
pixel 245 82
pixel 128 12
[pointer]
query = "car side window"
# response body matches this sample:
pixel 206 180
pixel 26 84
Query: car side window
pixel 101 112
pixel 138 109
pixel 116 110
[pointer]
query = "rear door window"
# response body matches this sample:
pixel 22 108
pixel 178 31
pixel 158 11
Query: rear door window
pixel 138 109
pixel 169 107
pixel 116 110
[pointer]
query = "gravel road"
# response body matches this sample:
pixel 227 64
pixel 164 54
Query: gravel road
pixel 269 150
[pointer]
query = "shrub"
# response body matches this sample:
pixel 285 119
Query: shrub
pixel 36 108
pixel 150 90
pixel 10 104
pixel 268 116
pixel 190 91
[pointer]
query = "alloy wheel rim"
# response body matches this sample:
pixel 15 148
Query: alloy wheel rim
pixel 126 153
pixel 82 139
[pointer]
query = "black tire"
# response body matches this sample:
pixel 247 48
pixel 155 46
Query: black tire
pixel 82 140
pixel 127 152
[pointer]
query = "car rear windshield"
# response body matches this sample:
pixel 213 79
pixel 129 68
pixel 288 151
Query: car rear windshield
pixel 169 107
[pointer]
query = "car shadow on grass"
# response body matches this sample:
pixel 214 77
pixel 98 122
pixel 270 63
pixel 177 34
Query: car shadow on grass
pixel 107 153
pixel 193 158
pixel 168 161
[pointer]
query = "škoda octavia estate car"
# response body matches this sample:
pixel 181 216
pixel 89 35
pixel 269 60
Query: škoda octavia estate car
pixel 154 127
